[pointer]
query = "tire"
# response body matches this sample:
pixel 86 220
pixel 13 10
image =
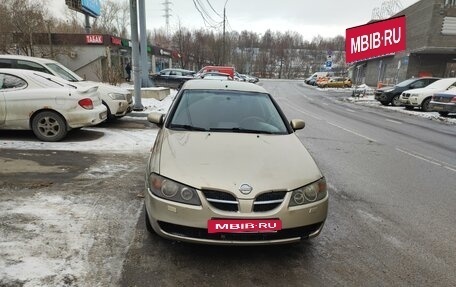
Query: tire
pixel 49 126
pixel 395 102
pixel 110 117
pixel 148 224
pixel 425 105
pixel 443 114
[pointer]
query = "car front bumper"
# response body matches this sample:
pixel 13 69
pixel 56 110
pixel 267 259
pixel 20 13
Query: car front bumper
pixel 189 223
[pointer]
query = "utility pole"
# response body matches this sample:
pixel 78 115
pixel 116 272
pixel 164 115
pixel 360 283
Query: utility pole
pixel 224 40
pixel 135 55
pixel 143 43
pixel 167 15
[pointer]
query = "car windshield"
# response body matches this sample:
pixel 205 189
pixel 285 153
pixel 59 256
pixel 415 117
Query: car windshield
pixel 227 111
pixel 405 83
pixel 64 73
pixel 442 84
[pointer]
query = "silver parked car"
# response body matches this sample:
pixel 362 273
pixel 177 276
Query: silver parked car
pixel 47 105
pixel 228 168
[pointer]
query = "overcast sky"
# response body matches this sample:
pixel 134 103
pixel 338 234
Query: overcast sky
pixel 309 18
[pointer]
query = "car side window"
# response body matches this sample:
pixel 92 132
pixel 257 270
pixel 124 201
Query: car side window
pixel 11 82
pixel 164 73
pixel 420 84
pixel 6 63
pixel 27 65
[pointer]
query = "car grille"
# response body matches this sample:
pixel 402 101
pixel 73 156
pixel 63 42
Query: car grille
pixel 221 200
pixel 406 95
pixel 202 233
pixel 268 201
pixel 228 202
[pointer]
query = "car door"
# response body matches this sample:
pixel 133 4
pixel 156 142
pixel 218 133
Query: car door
pixel 162 78
pixel 16 101
pixel 174 79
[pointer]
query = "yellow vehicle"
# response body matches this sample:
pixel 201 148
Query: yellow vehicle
pixel 335 82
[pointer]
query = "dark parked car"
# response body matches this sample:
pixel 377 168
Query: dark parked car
pixel 444 102
pixel 391 95
pixel 172 78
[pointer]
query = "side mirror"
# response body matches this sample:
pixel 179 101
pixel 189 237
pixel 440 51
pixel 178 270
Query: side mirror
pixel 156 118
pixel 297 124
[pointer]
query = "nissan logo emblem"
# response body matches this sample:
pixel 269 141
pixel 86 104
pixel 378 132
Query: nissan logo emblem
pixel 245 188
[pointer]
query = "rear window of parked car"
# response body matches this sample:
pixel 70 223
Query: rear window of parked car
pixel 11 82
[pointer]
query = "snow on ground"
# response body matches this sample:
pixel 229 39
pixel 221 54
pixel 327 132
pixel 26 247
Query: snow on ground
pixel 112 140
pixel 365 96
pixel 56 246
pixel 47 238
pixel 369 100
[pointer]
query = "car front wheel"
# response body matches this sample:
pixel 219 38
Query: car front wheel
pixel 49 126
pixel 395 101
pixel 425 105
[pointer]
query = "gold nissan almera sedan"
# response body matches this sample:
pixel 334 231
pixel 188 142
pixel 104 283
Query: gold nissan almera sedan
pixel 228 168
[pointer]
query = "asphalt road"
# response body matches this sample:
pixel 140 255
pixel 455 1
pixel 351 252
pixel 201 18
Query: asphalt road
pixel 75 217
pixel 392 184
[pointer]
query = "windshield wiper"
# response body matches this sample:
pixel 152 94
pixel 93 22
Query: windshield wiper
pixel 240 130
pixel 187 127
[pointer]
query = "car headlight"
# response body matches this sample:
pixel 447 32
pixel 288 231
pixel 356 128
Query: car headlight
pixel 117 96
pixel 310 193
pixel 172 190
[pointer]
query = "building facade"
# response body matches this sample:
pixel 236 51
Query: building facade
pixel 98 57
pixel 431 47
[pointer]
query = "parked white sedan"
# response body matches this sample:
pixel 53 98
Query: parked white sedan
pixel 47 105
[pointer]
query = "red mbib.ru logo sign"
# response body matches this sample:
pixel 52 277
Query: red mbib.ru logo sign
pixel 375 39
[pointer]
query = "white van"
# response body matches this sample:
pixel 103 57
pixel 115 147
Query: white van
pixel 118 101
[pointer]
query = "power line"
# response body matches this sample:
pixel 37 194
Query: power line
pixel 208 20
pixel 210 5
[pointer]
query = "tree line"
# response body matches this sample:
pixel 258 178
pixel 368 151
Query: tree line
pixel 271 54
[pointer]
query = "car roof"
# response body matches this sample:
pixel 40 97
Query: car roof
pixel 201 84
pixel 173 69
pixel 23 72
pixel 28 58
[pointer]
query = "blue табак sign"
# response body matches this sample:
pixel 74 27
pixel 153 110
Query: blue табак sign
pixel 92 7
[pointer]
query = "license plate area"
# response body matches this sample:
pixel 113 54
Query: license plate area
pixel 244 225
pixel 103 115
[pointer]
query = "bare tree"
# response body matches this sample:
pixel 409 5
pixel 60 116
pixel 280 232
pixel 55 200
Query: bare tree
pixel 25 18
pixel 113 19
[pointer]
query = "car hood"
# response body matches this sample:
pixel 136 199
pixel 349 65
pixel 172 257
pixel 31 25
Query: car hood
pixel 224 161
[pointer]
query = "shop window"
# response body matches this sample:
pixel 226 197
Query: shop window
pixel 450 2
